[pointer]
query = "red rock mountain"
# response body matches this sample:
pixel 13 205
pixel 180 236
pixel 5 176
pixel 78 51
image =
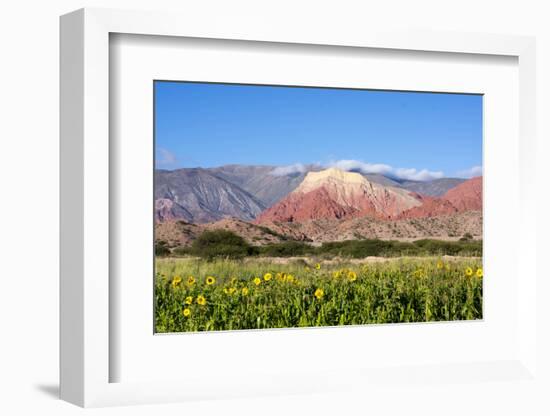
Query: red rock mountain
pixel 335 194
pixel 468 196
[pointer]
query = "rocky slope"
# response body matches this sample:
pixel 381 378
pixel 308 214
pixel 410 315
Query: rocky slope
pixel 199 196
pixel 435 187
pixel 181 233
pixel 445 227
pixel 467 196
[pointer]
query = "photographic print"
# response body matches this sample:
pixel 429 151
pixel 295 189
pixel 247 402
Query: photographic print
pixel 288 206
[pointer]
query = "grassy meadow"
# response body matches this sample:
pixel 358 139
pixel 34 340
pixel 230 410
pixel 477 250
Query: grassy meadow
pixel 193 294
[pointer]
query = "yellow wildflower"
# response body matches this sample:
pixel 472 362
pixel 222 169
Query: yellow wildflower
pixel 319 293
pixel 210 280
pixel 439 264
pixel 336 274
pixel 257 281
pixel 479 272
pixel 352 276
pixel 244 291
pixel 176 281
pixel 201 300
pixel 469 271
pixel 230 290
pixel 318 266
pixel 189 300
pixel 267 277
pixel 419 273
pixel 289 278
pixel 186 312
pixel 191 280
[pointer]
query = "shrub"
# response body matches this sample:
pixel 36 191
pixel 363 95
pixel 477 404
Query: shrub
pixel 221 243
pixel 466 237
pixel 161 248
pixel 181 251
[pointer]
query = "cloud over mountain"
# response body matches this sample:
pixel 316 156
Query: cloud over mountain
pixel 288 170
pixel 351 165
pixel 470 173
pixel 387 170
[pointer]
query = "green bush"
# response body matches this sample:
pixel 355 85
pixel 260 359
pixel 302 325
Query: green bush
pixel 221 243
pixel 451 248
pixel 161 248
pixel 182 251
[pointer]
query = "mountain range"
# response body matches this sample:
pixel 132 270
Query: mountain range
pixel 201 195
pixel 336 194
pixel 316 205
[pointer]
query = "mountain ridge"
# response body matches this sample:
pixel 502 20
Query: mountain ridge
pixel 244 191
pixel 336 194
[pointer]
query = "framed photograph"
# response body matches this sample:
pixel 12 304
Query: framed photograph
pixel 264 219
pixel 266 211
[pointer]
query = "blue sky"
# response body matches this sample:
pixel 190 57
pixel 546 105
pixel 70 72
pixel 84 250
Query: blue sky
pixel 402 134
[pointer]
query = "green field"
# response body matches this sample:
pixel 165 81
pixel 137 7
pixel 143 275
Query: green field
pixel 193 294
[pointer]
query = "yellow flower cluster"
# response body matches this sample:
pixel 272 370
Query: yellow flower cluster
pixel 345 273
pixel 229 290
pixel 201 300
pixel 470 272
pixel 176 281
pixel 284 277
pixel 420 273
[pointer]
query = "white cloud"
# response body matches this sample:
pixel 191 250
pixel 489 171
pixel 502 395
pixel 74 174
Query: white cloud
pixel 387 170
pixel 418 175
pixel 365 168
pixel 288 170
pixel 165 158
pixel 470 173
pixel 361 166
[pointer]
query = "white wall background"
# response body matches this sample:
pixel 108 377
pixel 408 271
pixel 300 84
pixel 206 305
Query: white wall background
pixel 29 184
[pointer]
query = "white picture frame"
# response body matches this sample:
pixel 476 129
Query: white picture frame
pixel 85 345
